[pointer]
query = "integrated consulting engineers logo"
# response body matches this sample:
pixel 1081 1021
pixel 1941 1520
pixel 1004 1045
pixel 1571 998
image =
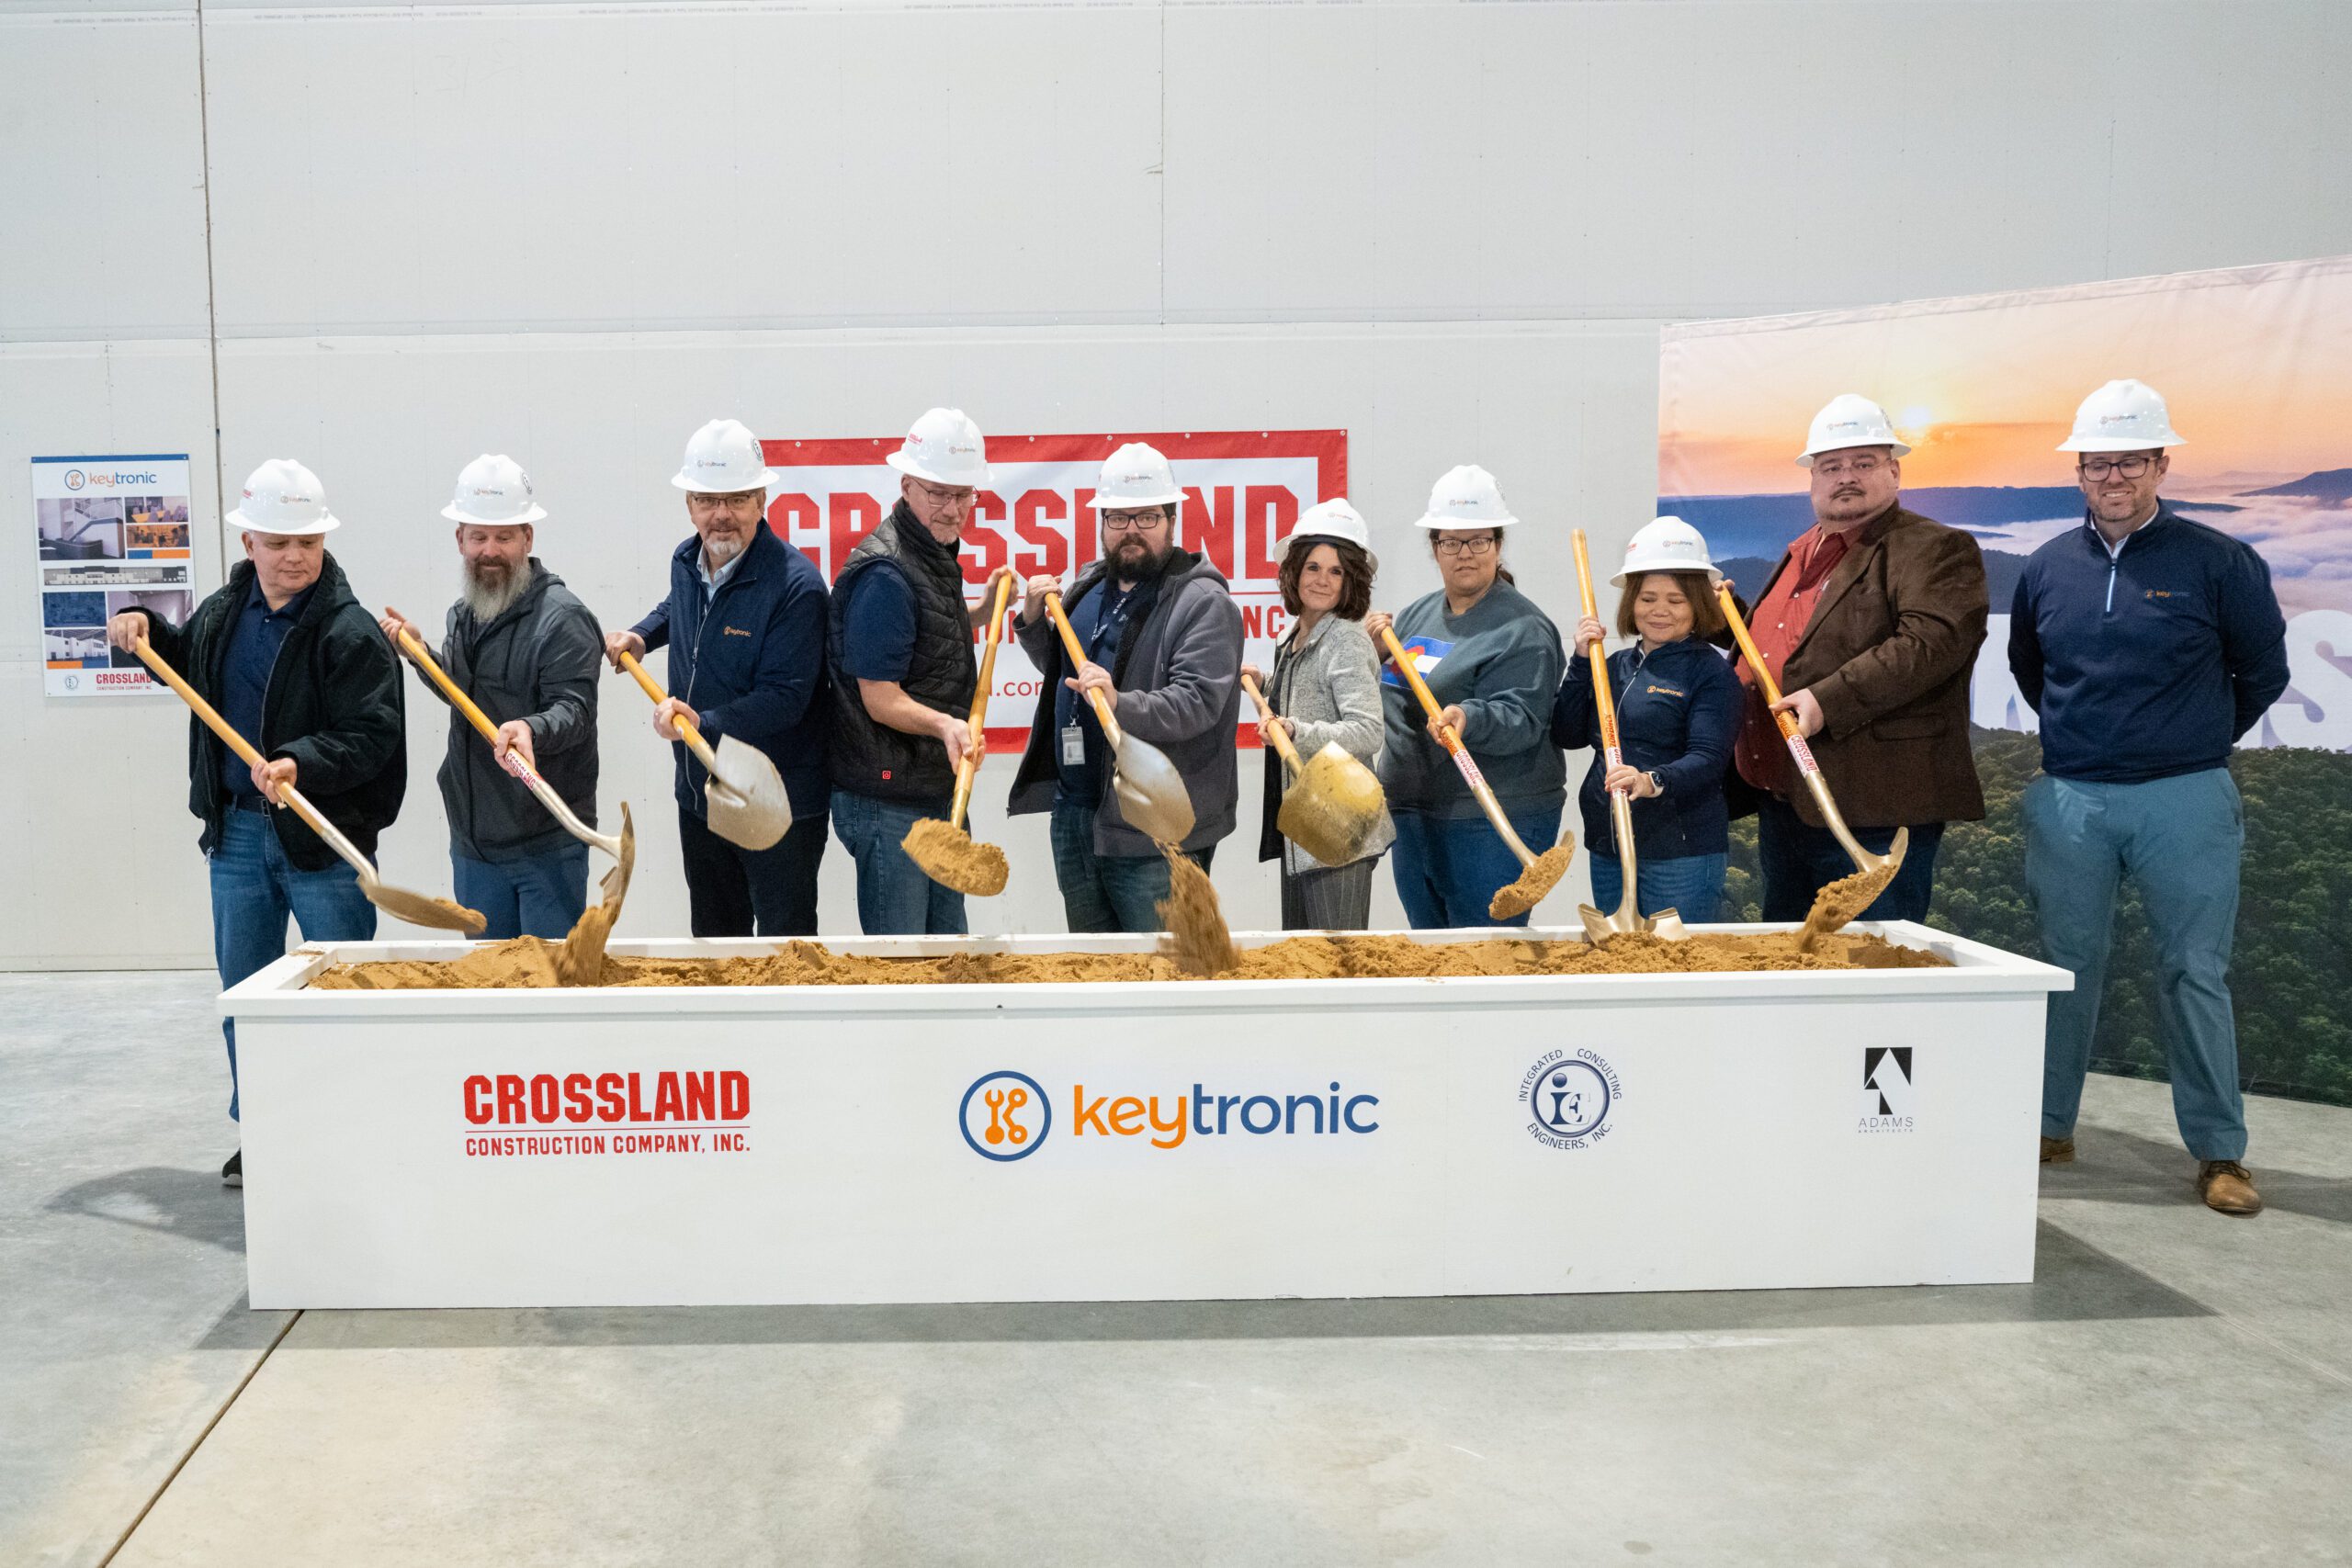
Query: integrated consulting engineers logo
pixel 1570 1099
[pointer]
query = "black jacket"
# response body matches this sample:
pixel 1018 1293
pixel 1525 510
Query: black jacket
pixel 538 660
pixel 867 757
pixel 1677 712
pixel 333 705
pixel 753 667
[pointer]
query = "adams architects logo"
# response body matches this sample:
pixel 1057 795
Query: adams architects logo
pixel 1005 1116
pixel 1570 1099
pixel 1890 1103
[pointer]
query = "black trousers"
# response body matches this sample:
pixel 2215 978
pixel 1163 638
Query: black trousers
pixel 728 887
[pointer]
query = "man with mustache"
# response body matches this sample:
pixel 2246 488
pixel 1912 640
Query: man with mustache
pixel 1870 622
pixel 2148 644
pixel 525 648
pixel 745 627
pixel 1163 638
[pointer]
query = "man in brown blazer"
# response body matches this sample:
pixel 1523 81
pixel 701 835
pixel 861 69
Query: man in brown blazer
pixel 1870 624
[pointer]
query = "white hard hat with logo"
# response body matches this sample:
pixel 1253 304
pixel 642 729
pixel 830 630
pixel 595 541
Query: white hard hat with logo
pixel 1846 419
pixel 723 458
pixel 944 446
pixel 494 491
pixel 283 497
pixel 1333 519
pixel 2122 417
pixel 1466 497
pixel 1667 545
pixel 1135 475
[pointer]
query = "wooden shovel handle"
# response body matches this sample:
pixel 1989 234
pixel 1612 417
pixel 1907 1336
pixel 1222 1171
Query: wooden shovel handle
pixel 694 742
pixel 1078 657
pixel 1275 735
pixel 1397 657
pixel 246 752
pixel 1463 762
pixel 1603 699
pixel 1764 681
pixel 979 715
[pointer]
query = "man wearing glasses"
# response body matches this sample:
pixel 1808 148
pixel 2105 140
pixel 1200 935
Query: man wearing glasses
pixel 899 644
pixel 1870 624
pixel 1163 645
pixel 2148 644
pixel 745 622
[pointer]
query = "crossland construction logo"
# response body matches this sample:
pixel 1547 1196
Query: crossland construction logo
pixel 1887 1091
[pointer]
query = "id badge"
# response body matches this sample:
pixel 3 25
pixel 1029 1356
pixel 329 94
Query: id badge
pixel 1073 745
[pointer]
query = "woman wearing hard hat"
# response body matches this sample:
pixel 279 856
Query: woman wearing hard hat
pixel 1678 711
pixel 1493 661
pixel 1325 691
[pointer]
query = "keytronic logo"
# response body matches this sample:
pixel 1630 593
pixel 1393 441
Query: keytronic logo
pixel 1888 1096
pixel 1006 1116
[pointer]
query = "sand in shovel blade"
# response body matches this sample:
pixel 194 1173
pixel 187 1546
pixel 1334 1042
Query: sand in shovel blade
pixel 1199 941
pixel 433 914
pixel 1841 903
pixel 949 857
pixel 1541 876
pixel 580 960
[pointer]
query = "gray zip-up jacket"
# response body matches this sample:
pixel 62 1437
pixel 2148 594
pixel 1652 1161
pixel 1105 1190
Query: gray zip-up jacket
pixel 1329 690
pixel 538 660
pixel 1179 677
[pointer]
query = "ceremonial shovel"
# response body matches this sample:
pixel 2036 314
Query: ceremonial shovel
pixel 1598 928
pixel 1843 900
pixel 1335 806
pixel 744 798
pixel 944 851
pixel 416 908
pixel 1151 792
pixel 580 960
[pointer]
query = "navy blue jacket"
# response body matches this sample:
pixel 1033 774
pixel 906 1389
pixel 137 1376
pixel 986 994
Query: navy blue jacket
pixel 2150 663
pixel 1676 713
pixel 755 669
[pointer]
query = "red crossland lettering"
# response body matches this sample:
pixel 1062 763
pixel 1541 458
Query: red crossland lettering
pixel 988 508
pixel 1208 525
pixel 1268 513
pixel 544 1098
pixel 853 515
pixel 1031 514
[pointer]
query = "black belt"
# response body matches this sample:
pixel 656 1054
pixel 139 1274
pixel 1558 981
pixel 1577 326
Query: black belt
pixel 252 803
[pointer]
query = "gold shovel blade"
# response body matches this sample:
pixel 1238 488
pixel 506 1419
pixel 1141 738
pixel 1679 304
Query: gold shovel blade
pixel 1152 797
pixel 1333 809
pixel 745 800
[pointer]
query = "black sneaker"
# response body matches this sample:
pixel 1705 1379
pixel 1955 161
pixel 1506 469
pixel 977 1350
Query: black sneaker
pixel 233 1173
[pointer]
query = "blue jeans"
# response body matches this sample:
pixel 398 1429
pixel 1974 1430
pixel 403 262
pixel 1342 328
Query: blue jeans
pixel 1799 860
pixel 542 894
pixel 894 896
pixel 1691 886
pixel 255 888
pixel 1448 869
pixel 1109 893
pixel 2179 841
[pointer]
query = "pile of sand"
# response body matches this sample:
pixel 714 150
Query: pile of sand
pixel 528 962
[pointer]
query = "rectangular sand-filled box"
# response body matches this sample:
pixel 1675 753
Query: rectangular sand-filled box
pixel 956 1140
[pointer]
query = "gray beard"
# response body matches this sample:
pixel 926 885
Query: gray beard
pixel 488 603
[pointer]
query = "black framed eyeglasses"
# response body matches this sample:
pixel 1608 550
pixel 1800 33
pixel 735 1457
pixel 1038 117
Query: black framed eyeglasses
pixel 2135 467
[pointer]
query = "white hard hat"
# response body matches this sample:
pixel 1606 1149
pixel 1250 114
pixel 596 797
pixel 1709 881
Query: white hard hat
pixel 1333 519
pixel 1468 497
pixel 493 491
pixel 722 458
pixel 1135 475
pixel 1846 419
pixel 1667 545
pixel 2122 417
pixel 283 497
pixel 944 446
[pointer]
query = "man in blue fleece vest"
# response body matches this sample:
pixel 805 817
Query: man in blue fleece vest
pixel 2148 644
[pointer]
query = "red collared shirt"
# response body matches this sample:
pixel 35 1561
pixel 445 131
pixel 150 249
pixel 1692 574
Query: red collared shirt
pixel 1778 624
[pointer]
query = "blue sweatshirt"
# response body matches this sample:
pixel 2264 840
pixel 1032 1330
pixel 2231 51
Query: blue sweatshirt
pixel 2152 659
pixel 1500 660
pixel 1676 713
pixel 751 663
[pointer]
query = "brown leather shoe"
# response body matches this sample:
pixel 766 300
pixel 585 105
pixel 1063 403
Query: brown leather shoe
pixel 2228 1186
pixel 2057 1151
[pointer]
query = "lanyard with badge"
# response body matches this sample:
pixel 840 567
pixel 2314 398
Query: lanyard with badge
pixel 1113 618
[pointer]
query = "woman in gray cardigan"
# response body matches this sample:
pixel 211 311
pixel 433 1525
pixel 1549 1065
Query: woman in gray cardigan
pixel 1326 687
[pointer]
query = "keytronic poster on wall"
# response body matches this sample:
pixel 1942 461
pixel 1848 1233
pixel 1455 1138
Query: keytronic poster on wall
pixel 112 533
pixel 2254 363
pixel 1243 492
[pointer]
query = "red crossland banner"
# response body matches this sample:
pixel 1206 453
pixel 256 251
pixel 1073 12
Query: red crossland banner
pixel 1243 492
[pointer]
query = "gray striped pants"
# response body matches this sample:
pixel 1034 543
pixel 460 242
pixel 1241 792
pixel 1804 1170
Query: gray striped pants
pixel 1339 900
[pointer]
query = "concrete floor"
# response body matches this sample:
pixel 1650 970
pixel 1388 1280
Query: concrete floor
pixel 2175 1387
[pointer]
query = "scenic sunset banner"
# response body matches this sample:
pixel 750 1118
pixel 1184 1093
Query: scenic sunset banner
pixel 2256 365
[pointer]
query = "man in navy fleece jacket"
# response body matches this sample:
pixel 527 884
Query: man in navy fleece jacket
pixel 2148 644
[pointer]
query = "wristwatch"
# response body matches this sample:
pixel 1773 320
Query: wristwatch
pixel 1657 784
